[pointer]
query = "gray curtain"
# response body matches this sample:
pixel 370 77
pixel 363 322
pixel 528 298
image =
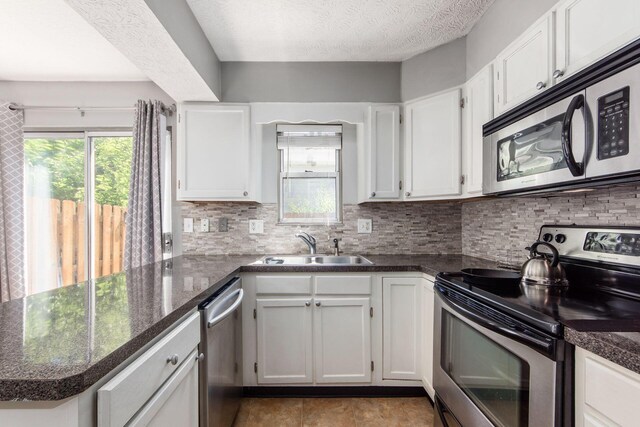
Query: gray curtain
pixel 11 204
pixel 143 242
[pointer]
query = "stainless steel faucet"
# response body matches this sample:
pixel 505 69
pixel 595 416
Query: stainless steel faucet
pixel 309 240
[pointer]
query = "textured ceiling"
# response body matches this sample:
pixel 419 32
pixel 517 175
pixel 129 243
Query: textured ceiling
pixel 46 40
pixel 333 30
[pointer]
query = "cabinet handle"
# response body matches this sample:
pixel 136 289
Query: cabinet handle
pixel 318 304
pixel 245 194
pixel 373 194
pixel 558 73
pixel 408 193
pixel 308 303
pixel 173 359
pixel 200 357
pixel 541 85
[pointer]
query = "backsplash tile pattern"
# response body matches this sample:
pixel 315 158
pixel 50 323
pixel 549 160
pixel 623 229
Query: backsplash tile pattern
pixel 499 228
pixel 398 228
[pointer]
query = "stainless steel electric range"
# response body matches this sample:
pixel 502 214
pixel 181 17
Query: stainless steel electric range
pixel 500 357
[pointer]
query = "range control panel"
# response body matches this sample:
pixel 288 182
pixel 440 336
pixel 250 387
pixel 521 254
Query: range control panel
pixel 613 124
pixel 607 245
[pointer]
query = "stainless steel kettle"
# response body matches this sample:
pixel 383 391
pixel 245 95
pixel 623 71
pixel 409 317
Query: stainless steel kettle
pixel 543 270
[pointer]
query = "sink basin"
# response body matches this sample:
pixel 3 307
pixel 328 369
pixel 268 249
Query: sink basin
pixel 313 260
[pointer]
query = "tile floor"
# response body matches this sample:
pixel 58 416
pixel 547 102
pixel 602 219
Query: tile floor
pixel 335 412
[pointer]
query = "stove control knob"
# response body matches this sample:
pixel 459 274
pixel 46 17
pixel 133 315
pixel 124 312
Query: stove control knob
pixel 561 238
pixel 547 237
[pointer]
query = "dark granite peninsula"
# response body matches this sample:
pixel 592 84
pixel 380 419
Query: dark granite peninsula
pixel 56 344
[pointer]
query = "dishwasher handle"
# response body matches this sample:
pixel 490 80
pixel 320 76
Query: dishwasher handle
pixel 240 294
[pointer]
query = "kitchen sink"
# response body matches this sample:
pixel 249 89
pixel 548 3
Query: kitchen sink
pixel 313 260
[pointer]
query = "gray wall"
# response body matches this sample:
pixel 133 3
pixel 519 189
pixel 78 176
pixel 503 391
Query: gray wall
pixel 435 70
pixel 178 19
pixel 500 25
pixel 311 81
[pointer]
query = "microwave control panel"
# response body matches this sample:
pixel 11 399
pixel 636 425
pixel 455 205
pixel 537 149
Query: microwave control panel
pixel 613 124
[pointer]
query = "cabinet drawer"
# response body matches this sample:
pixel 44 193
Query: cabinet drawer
pixel 283 285
pixel 611 390
pixel 127 392
pixel 343 285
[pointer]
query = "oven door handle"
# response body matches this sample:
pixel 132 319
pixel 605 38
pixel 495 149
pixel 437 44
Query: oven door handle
pixel 576 168
pixel 544 346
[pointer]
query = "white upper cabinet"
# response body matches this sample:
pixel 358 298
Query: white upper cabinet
pixel 524 68
pixel 588 30
pixel 432 150
pixel 478 110
pixel 214 154
pixel 381 158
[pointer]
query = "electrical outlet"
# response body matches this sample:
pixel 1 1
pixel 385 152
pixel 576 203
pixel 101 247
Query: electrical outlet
pixel 187 225
pixel 364 226
pixel 256 226
pixel 223 225
pixel 204 225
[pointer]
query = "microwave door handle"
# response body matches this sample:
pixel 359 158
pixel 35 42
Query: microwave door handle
pixel 576 168
pixel 543 346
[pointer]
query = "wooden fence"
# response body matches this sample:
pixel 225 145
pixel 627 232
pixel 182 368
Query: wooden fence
pixel 61 226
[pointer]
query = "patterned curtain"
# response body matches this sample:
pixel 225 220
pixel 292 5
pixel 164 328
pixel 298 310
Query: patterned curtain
pixel 143 241
pixel 11 204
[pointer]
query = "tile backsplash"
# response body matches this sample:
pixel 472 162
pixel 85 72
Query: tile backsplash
pixel 416 227
pixel 500 228
pixel 493 228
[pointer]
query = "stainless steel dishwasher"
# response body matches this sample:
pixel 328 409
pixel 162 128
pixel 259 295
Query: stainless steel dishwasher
pixel 221 368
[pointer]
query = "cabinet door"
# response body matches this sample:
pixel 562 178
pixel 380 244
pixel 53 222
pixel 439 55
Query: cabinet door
pixel 524 68
pixel 588 30
pixel 432 152
pixel 384 153
pixel 342 340
pixel 213 155
pixel 402 328
pixel 427 336
pixel 176 402
pixel 478 110
pixel 284 340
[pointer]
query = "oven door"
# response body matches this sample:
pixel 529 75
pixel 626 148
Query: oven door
pixel 487 375
pixel 544 149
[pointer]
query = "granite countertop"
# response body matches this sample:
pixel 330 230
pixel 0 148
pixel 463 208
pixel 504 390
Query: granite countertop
pixel 56 344
pixel 622 348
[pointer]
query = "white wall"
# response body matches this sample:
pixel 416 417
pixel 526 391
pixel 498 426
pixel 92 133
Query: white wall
pixel 89 94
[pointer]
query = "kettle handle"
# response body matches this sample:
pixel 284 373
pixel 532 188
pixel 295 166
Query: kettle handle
pixel 554 252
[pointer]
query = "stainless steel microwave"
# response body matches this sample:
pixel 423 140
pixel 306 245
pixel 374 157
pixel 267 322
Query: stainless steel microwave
pixel 587 138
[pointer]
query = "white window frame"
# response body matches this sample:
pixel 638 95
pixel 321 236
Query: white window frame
pixel 282 175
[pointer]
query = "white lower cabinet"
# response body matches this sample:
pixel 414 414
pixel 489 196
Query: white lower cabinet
pixel 309 329
pixel 284 340
pixel 342 340
pixel 160 388
pixel 606 394
pixel 428 308
pixel 402 328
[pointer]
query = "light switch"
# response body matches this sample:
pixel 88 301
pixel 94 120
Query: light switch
pixel 364 226
pixel 256 226
pixel 187 225
pixel 204 225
